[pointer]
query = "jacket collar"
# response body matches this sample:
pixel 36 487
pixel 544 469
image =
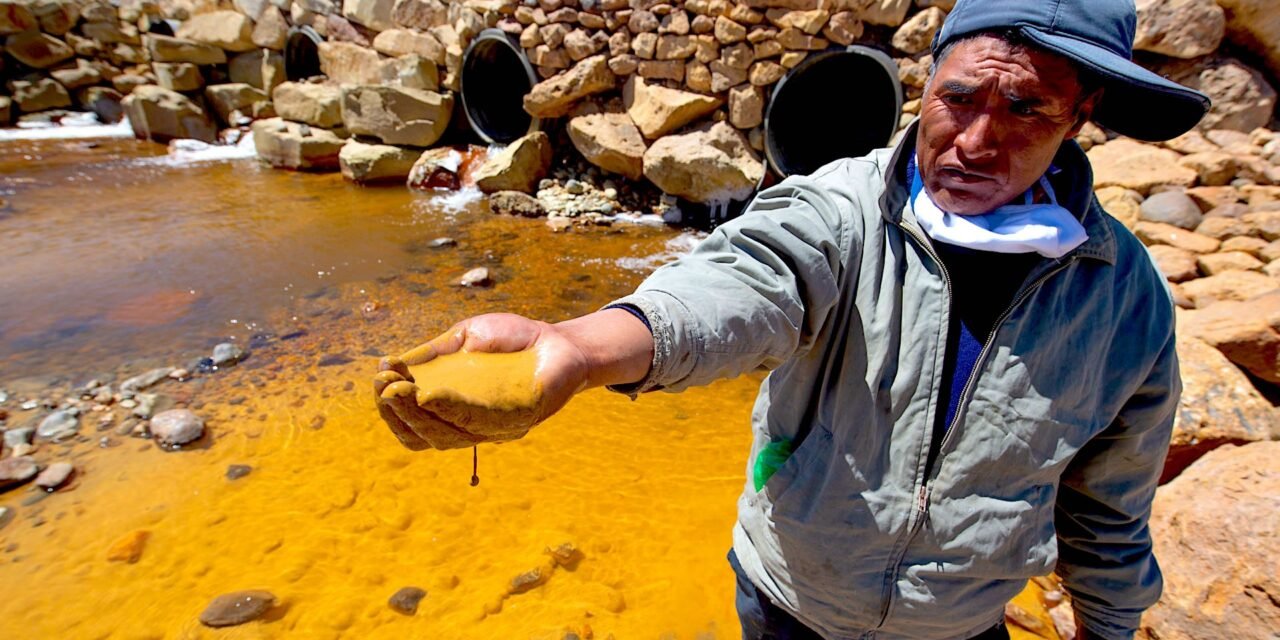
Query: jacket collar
pixel 1074 184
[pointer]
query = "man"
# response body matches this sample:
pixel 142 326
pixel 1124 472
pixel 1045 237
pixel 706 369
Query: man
pixel 973 366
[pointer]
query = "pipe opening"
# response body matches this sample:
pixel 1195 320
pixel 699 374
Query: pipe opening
pixel 302 54
pixel 161 27
pixel 495 77
pixel 836 104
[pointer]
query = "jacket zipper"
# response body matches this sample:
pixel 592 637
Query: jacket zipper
pixel 924 491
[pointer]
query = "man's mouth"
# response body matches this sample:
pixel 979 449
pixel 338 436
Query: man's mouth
pixel 957 176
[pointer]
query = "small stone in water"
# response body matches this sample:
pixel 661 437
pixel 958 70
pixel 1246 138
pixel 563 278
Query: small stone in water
pixel 143 381
pixel 146 405
pixel 574 187
pixel 19 435
pixel 227 354
pixel 128 548
pixel 16 471
pixel 406 600
pixel 176 427
pixel 230 609
pixel 527 580
pixel 205 365
pixel 29 405
pixel 334 359
pixel 237 471
pixel 55 475
pixel 440 243
pixel 478 277
pixel 129 403
pixel 179 374
pixel 59 425
pixel 22 449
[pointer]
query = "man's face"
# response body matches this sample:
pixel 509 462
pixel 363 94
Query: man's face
pixel 991 120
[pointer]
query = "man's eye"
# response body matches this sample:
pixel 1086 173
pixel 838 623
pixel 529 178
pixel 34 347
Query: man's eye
pixel 956 99
pixel 1023 109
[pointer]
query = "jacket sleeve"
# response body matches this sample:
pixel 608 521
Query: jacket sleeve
pixel 754 293
pixel 1105 556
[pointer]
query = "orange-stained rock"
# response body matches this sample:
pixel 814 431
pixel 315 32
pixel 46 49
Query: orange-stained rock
pixel 128 548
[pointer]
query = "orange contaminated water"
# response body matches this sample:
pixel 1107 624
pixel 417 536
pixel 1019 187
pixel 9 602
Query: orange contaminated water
pixel 113 263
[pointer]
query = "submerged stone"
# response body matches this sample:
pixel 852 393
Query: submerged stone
pixel 176 427
pixel 16 471
pixel 230 609
pixel 406 600
pixel 55 475
pixel 59 425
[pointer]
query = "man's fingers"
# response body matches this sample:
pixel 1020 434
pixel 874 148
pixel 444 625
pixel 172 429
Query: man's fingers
pixel 403 433
pixel 402 397
pixel 397 365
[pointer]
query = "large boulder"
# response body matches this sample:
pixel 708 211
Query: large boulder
pixel 1214 530
pixel 1243 100
pixel 16 17
pixel 83 74
pixel 1246 332
pixel 657 110
pixel 412 71
pixel 161 115
pixel 1255 25
pixel 518 167
pixel 1179 28
pixel 1172 207
pixel 396 115
pixel 610 141
pixel 178 76
pixel 555 96
pixel 399 42
pixel 229 30
pixel 315 104
pixel 170 49
pixel 1229 286
pixel 271 31
pixel 261 69
pixel 364 163
pixel 713 163
pixel 915 35
pixel 1219 405
pixel 38 95
pixel 290 145
pixel 232 98
pixel 56 17
pixel 889 13
pixel 1133 165
pixel 375 14
pixel 347 63
pixel 38 50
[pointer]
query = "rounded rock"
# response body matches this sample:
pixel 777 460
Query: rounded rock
pixel 1172 207
pixel 55 475
pixel 230 609
pixel 59 425
pixel 176 427
pixel 16 471
pixel 227 353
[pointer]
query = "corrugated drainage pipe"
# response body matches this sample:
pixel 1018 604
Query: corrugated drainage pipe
pixel 496 76
pixel 302 53
pixel 840 103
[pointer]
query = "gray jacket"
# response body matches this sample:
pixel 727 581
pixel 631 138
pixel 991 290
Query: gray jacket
pixel 1051 463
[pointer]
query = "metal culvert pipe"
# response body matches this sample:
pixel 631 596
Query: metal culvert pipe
pixel 496 75
pixel 302 53
pixel 840 103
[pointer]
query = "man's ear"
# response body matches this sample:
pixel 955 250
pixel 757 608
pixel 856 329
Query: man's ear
pixel 1084 112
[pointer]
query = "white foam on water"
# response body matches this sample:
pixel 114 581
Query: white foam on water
pixel 75 127
pixel 676 247
pixel 454 202
pixel 185 152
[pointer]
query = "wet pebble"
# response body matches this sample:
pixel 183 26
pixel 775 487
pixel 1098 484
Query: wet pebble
pixel 237 471
pixel 128 548
pixel 227 354
pixel 406 600
pixel 528 580
pixel 230 609
pixel 146 405
pixel 55 475
pixel 179 374
pixel 59 425
pixel 16 471
pixel 176 427
pixel 145 380
pixel 29 405
pixel 18 435
pixel 575 187
pixel 478 277
pixel 440 243
pixel 334 359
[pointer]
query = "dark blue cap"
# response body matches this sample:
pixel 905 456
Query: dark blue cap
pixel 1097 35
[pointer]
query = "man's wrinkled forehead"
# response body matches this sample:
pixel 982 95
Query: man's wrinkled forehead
pixel 1017 72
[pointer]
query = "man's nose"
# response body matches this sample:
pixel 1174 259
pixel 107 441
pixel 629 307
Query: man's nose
pixel 980 139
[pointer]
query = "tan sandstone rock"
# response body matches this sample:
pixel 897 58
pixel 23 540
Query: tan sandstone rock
pixel 1152 233
pixel 518 167
pixel 399 42
pixel 178 76
pixel 1177 265
pixel 555 96
pixel 1133 165
pixel 1179 28
pixel 916 34
pixel 360 162
pixel 228 30
pixel 16 17
pixel 1216 263
pixel 261 69
pixel 1123 204
pixel 1245 332
pixel 290 145
pixel 1242 98
pixel 347 63
pixel 170 49
pixel 1214 531
pixel 1228 286
pixel 319 105
pixel 38 50
pixel 159 114
pixel 228 99
pixel 396 115
pixel 39 95
pixel 375 14
pixel 610 141
pixel 1255 25
pixel 271 31
pixel 709 164
pixel 657 110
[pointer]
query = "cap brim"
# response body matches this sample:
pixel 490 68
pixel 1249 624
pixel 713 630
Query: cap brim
pixel 1135 102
